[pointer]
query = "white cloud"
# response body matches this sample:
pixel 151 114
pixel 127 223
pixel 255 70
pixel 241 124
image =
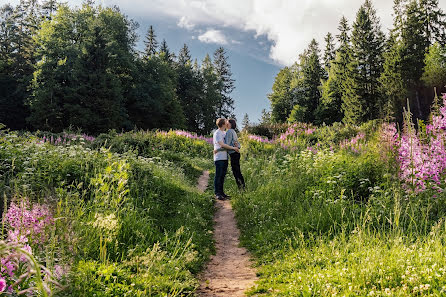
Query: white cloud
pixel 213 36
pixel 185 23
pixel 288 24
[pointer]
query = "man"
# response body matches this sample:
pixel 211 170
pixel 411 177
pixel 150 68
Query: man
pixel 221 159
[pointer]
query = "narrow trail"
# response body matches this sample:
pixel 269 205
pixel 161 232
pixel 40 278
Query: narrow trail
pixel 229 272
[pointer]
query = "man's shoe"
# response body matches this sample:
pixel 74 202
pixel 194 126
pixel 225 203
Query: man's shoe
pixel 220 197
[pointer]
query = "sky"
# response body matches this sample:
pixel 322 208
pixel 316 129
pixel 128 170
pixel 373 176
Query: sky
pixel 260 36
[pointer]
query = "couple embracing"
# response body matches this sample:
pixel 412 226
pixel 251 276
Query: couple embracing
pixel 226 144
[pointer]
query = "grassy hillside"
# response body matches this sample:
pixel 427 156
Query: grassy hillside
pixel 332 211
pixel 118 215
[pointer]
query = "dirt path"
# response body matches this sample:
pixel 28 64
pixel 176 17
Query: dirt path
pixel 203 181
pixel 229 272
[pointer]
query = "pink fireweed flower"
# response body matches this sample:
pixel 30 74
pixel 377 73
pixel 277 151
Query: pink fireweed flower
pixel 2 284
pixel 28 223
pixel 259 139
pixel 423 163
pixel 355 144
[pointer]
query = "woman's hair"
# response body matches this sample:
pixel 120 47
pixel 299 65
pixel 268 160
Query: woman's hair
pixel 233 123
pixel 220 122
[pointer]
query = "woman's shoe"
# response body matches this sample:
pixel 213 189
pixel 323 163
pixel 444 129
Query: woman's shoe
pixel 227 196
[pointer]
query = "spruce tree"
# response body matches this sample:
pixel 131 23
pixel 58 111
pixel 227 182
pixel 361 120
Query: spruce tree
pixel 226 83
pixel 151 43
pixel 434 21
pixel 165 52
pixel 189 90
pixel 211 96
pixel 365 67
pixel 312 73
pixel 245 122
pixel 331 108
pixel 330 51
pixel 265 117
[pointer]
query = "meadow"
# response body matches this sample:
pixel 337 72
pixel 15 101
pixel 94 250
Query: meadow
pixel 115 215
pixel 330 210
pixel 347 211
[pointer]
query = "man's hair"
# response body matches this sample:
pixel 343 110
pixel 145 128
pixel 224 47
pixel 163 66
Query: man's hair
pixel 220 122
pixel 233 123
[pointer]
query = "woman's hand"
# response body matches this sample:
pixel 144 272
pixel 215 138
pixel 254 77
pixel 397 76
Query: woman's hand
pixel 215 151
pixel 236 149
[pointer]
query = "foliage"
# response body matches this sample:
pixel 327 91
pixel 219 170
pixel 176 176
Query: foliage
pixel 63 67
pixel 331 211
pixel 122 220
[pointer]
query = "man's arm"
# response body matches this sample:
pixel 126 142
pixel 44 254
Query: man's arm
pixel 224 145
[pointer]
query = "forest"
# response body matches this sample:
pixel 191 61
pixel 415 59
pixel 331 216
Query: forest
pixel 365 73
pixel 64 67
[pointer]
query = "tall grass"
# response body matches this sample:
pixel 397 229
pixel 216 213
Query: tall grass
pixel 326 219
pixel 128 219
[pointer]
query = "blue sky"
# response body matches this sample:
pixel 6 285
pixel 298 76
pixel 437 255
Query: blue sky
pixel 260 36
pixel 252 70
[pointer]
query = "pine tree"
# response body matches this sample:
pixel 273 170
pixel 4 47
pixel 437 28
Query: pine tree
pixel 226 83
pixel 333 89
pixel 151 43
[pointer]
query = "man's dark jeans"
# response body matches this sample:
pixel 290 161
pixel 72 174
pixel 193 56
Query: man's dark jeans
pixel 221 167
pixel 235 166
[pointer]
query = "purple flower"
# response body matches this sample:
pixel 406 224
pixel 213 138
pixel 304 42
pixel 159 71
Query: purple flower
pixel 2 284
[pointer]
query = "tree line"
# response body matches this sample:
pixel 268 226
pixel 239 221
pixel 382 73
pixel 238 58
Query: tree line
pixel 63 67
pixel 364 74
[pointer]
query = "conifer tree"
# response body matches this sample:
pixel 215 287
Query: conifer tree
pixel 151 43
pixel 211 95
pixel 226 83
pixel 365 67
pixel 189 90
pixel 245 121
pixel 330 51
pixel 434 21
pixel 312 73
pixel 165 52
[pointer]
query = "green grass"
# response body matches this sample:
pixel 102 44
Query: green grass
pixel 338 223
pixel 128 223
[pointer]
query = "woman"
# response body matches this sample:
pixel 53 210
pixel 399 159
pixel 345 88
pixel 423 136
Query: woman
pixel 231 139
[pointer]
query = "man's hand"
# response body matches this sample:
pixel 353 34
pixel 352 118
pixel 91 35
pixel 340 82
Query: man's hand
pixel 236 149
pixel 215 151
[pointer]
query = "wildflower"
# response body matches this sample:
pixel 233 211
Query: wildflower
pixel 2 284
